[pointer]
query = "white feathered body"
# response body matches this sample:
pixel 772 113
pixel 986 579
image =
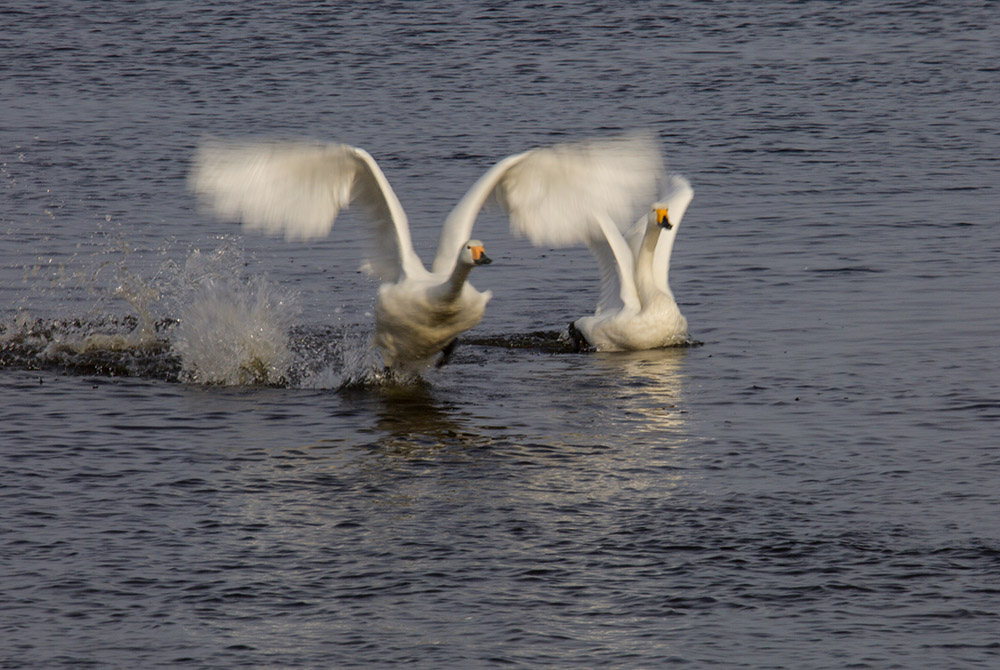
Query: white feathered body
pixel 658 324
pixel 414 321
pixel 637 310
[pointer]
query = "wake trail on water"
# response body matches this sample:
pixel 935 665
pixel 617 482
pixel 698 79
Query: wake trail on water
pixel 200 321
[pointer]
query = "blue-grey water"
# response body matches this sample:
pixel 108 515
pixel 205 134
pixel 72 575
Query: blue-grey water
pixel 816 486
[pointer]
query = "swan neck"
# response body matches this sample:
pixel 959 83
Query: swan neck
pixel 452 287
pixel 653 261
pixel 644 259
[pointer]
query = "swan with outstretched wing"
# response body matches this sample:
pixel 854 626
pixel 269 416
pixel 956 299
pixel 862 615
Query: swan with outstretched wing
pixel 298 189
pixel 636 309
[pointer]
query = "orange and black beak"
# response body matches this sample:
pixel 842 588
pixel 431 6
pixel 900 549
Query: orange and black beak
pixel 662 219
pixel 479 256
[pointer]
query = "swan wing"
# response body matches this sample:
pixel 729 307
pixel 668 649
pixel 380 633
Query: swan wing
pixel 610 296
pixel 552 194
pixel 457 228
pixel 298 189
pixel 677 198
pixel 393 254
pixel 557 195
pixel 617 266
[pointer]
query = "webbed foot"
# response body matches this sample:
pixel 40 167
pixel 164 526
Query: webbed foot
pixel 579 341
pixel 446 353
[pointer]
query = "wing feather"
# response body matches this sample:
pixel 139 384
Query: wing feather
pixel 298 189
pixel 617 266
pixel 393 252
pixel 552 194
pixel 610 295
pixel 556 194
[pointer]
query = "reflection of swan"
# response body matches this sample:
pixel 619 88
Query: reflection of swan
pixel 416 421
pixel 298 189
pixel 636 309
pixel 411 421
pixel 649 391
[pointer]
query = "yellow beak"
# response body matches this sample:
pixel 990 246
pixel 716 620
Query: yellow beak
pixel 479 256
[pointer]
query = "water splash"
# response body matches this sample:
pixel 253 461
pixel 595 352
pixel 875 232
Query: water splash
pixel 236 332
pixel 104 341
pixel 352 362
pixel 222 328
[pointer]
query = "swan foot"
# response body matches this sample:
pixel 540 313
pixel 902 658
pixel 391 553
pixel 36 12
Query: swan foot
pixel 579 341
pixel 446 353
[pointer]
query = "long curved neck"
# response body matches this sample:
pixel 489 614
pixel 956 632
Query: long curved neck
pixel 652 263
pixel 451 288
pixel 644 267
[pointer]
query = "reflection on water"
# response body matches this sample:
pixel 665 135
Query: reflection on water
pixel 412 422
pixel 635 394
pixel 618 427
pixel 628 434
pixel 649 393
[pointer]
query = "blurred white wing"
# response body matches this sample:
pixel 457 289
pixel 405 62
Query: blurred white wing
pixel 634 235
pixel 553 194
pixel 556 195
pixel 617 266
pixel 298 189
pixel 457 228
pixel 610 296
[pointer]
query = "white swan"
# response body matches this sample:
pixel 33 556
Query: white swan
pixel 636 309
pixel 298 189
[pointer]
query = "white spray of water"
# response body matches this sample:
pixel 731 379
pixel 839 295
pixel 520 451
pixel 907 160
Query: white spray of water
pixel 232 330
pixel 107 277
pixel 202 321
pixel 354 363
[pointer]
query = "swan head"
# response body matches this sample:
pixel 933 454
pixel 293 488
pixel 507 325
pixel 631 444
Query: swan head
pixel 473 253
pixel 668 211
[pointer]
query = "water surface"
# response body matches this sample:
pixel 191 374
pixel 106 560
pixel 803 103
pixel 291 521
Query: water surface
pixel 813 487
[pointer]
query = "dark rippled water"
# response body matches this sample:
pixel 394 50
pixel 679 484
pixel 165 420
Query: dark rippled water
pixel 813 487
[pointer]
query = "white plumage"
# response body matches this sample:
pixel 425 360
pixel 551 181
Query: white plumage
pixel 636 309
pixel 552 195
